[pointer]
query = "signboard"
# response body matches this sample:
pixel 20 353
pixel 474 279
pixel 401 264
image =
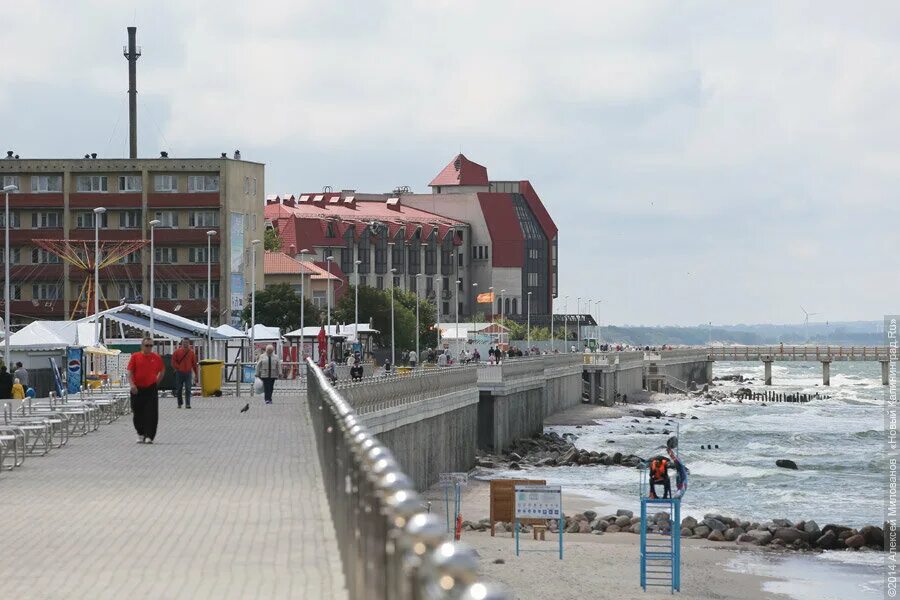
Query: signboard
pixel 449 479
pixel 237 299
pixel 56 380
pixel 236 266
pixel 74 372
pixel 538 502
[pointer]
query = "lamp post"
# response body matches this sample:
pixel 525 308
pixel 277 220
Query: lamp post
pixel 328 260
pixel 393 356
pixel 153 225
pixel 566 323
pixel 528 329
pixel 437 310
pixel 209 237
pixel 418 287
pixel 253 245
pixel 456 300
pixel 356 304
pixel 303 253
pixel 578 322
pixel 552 339
pixel 502 316
pixel 6 329
pixel 589 308
pixel 97 212
pixel 491 292
pixel 598 302
pixel 474 305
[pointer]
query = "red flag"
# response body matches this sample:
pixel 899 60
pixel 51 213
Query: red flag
pixel 322 341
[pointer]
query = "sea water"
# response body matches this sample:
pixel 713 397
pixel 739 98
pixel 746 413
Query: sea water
pixel 836 442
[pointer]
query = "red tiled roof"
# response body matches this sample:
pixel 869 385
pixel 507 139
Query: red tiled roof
pixel 461 171
pixel 504 228
pixel 279 263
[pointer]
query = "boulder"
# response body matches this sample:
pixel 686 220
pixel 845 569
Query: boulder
pixel 584 527
pixel 789 535
pixel 785 463
pixel 635 520
pixel 613 529
pixel 689 522
pixel 760 537
pixel 514 456
pixel 733 533
pixel 715 536
pixel 599 525
pixel 623 521
pixel 652 412
pixel 626 513
pixel 484 463
pixel 514 466
pixel 702 530
pixel 782 523
pixel 811 527
pixel 874 536
pixel 567 456
pixel 609 518
pixel 827 541
pixel 855 541
pixel 714 524
pixel 635 528
pixel 686 532
pixel 590 515
pixel 573 528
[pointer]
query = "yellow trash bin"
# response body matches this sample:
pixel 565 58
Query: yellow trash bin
pixel 211 377
pixel 403 370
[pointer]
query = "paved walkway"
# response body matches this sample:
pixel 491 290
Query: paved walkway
pixel 223 505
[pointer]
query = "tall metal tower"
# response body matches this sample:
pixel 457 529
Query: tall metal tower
pixel 132 52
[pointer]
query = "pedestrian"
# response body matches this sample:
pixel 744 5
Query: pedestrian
pixel 18 392
pixel 22 374
pixel 145 370
pixel 413 358
pixel 6 383
pixel 184 361
pixel 267 368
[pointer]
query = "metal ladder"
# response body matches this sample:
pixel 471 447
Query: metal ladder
pixel 661 552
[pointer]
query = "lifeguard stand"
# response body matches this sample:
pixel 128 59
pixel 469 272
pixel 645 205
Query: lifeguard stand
pixel 661 547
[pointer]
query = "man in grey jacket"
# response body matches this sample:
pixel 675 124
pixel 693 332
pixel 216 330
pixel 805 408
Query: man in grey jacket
pixel 22 375
pixel 268 368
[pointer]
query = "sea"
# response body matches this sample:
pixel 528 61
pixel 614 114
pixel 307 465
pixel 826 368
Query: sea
pixel 837 443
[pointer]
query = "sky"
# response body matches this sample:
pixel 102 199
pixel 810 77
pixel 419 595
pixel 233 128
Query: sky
pixel 724 162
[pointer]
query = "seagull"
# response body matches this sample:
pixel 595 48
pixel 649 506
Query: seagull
pixel 246 408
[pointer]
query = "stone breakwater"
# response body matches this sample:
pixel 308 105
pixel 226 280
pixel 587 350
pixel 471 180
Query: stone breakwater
pixel 777 534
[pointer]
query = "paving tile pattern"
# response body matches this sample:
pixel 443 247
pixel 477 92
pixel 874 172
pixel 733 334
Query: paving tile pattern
pixel 223 505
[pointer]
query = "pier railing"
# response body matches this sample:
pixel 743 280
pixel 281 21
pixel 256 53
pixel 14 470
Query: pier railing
pixel 800 353
pixel 391 548
pixel 387 391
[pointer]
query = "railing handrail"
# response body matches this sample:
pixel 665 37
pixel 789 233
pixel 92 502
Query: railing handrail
pixel 391 548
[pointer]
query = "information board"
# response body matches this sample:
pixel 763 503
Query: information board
pixel 538 502
pixel 450 479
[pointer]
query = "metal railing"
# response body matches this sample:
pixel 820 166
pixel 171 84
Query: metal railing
pixel 812 353
pixel 376 393
pixel 391 547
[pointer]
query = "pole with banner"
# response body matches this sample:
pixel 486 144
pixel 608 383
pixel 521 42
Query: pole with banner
pixel 539 502
pixel 74 370
pixel 56 380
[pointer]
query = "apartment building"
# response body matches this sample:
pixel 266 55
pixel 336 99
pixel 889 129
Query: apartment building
pixel 55 200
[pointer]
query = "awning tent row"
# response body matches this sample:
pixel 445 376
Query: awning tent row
pixel 165 324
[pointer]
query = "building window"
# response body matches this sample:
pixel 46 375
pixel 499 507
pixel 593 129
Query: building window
pixel 197 291
pixel 203 183
pixel 198 254
pixel 379 282
pixel 506 304
pixel 133 258
pixel 515 306
pixel 430 252
pixel 91 183
pixel 12 180
pixel 130 183
pixel 533 253
pixel 165 183
pixel 204 218
pixel 167 255
pixel 413 259
pixel 445 306
pixel 247 186
pixel 85 219
pixel 253 221
pixel 39 256
pixel 130 219
pixel 254 186
pixel 396 282
pixel 46 219
pixel 166 218
pixel 532 280
pixel 15 219
pixel 45 291
pixel 318 298
pixel 459 261
pixel 129 291
pixel 487 252
pixel 429 285
pixel 362 281
pixel 15 291
pixel 46 183
pixel 15 255
pixel 475 252
pixel 397 257
pixel 165 291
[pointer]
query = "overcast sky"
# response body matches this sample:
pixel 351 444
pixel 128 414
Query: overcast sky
pixel 704 161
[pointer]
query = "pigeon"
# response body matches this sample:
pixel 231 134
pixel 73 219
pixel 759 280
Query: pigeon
pixel 246 408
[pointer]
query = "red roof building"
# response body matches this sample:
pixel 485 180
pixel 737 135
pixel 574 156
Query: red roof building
pixel 483 234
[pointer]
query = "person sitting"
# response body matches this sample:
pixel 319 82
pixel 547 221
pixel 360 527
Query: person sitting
pixel 387 366
pixel 659 474
pixel 330 372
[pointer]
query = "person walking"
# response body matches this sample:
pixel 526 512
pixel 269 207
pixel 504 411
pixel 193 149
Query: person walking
pixel 268 368
pixel 6 383
pixel 145 370
pixel 413 358
pixel 184 361
pixel 22 374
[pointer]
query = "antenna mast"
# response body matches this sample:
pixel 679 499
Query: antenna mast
pixel 132 53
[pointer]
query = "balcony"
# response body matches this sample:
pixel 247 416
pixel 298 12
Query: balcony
pixel 27 273
pixel 192 236
pixel 38 200
pixel 111 201
pixel 106 233
pixel 38 309
pixel 24 236
pixel 182 200
pixel 188 271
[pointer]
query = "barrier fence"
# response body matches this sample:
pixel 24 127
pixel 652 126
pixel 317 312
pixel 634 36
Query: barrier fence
pixel 391 547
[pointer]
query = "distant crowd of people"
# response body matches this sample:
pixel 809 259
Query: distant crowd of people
pixel 14 386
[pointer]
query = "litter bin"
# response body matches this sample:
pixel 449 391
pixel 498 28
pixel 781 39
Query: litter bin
pixel 211 377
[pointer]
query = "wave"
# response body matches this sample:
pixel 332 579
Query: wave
pixel 712 469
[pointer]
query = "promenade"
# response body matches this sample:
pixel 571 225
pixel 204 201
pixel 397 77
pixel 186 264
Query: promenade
pixel 223 505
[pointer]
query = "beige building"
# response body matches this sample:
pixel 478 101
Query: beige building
pixel 281 268
pixel 55 201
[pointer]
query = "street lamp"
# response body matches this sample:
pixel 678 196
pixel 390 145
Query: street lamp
pixel 393 356
pixel 578 322
pixel 209 237
pixel 97 212
pixel 528 330
pixel 552 338
pixel 6 330
pixel 566 323
pixel 356 304
pixel 474 305
pixel 502 317
pixel 253 245
pixel 328 261
pixel 456 299
pixel 153 225
pixel 491 292
pixel 597 303
pixel 303 253
pixel 418 287
pixel 437 310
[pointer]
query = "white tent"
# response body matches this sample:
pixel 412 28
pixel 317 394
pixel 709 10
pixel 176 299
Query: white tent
pixel 264 333
pixel 229 331
pixel 53 335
